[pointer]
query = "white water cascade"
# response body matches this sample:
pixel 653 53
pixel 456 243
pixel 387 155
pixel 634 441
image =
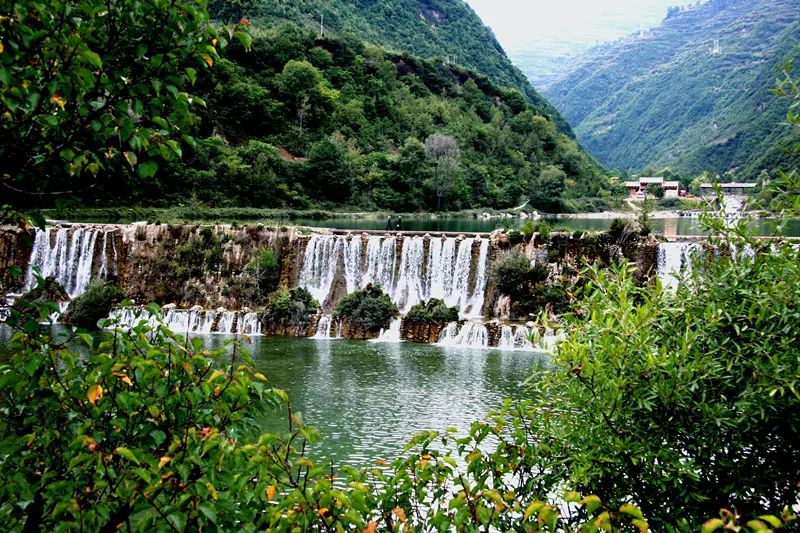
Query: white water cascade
pixel 69 257
pixel 194 320
pixel 674 260
pixel 506 338
pixel 392 334
pixel 325 325
pixel 470 335
pixel 422 268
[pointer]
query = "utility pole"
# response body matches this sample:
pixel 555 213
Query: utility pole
pixel 321 25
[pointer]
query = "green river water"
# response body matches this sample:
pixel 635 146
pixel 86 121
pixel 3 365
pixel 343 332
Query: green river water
pixel 367 399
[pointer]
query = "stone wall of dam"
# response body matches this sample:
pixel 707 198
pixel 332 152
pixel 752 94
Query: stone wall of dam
pixel 205 274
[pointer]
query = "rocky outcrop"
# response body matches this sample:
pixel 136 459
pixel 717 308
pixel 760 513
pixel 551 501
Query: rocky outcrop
pixel 425 332
pixel 15 251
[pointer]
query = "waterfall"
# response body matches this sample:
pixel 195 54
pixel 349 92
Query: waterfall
pixel 409 275
pixel 476 301
pixel 324 327
pixel 460 284
pixel 194 320
pixel 521 340
pixel 674 260
pixel 380 262
pixel 470 335
pixel 227 319
pixel 249 324
pixel 392 334
pixel 409 288
pixel 319 265
pixel 69 259
pixel 506 338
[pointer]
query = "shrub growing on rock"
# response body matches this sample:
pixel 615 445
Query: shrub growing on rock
pixel 94 304
pixel 265 272
pixel 510 273
pixel 294 306
pixel 432 311
pixel 370 308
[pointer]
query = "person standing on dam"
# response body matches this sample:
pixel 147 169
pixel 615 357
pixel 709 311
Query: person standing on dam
pixel 389 223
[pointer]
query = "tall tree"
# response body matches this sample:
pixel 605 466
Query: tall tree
pixel 444 152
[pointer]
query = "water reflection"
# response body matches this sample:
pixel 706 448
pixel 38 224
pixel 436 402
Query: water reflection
pixel 672 227
pixel 368 399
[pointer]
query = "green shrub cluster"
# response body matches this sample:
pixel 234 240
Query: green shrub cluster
pixel 94 304
pixel 510 273
pixel 264 271
pixel 370 308
pixel 434 311
pixel 292 306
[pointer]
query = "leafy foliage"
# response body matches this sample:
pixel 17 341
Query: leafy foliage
pixel 370 308
pixel 94 304
pixel 301 121
pixel 448 30
pixel 265 272
pixel 91 88
pixel 294 306
pixel 148 432
pixel 432 311
pixel 694 395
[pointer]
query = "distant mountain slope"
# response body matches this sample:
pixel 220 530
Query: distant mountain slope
pixel 448 29
pixel 692 94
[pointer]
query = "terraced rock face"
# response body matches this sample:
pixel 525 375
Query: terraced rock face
pixel 692 94
pixel 203 274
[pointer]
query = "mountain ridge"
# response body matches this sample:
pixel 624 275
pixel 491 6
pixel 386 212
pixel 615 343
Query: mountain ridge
pixel 691 94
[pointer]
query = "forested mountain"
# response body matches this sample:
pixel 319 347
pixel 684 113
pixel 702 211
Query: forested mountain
pixel 692 94
pixel 445 29
pixel 303 121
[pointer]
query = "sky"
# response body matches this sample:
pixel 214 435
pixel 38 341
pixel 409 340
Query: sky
pixel 520 22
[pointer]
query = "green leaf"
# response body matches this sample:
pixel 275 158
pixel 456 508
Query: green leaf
pixel 192 74
pixel 631 510
pixel 127 454
pixel 712 525
pixel 209 512
pixel 757 525
pixel 147 169
pixel 773 521
pixel 131 158
pixel 592 503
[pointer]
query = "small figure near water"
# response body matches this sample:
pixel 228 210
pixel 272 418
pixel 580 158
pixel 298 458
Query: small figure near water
pixel 399 223
pixel 388 223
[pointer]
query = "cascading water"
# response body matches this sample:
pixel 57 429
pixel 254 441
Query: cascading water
pixel 392 334
pixel 195 320
pixel 324 327
pixel 470 335
pixel 476 302
pixel 319 265
pixel 674 260
pixel 69 258
pixel 409 276
pixel 506 338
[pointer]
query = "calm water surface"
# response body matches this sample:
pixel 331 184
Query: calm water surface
pixel 671 226
pixel 367 399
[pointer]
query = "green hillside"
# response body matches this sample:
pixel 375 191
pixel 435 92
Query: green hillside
pixel 301 122
pixel 444 29
pixel 692 94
